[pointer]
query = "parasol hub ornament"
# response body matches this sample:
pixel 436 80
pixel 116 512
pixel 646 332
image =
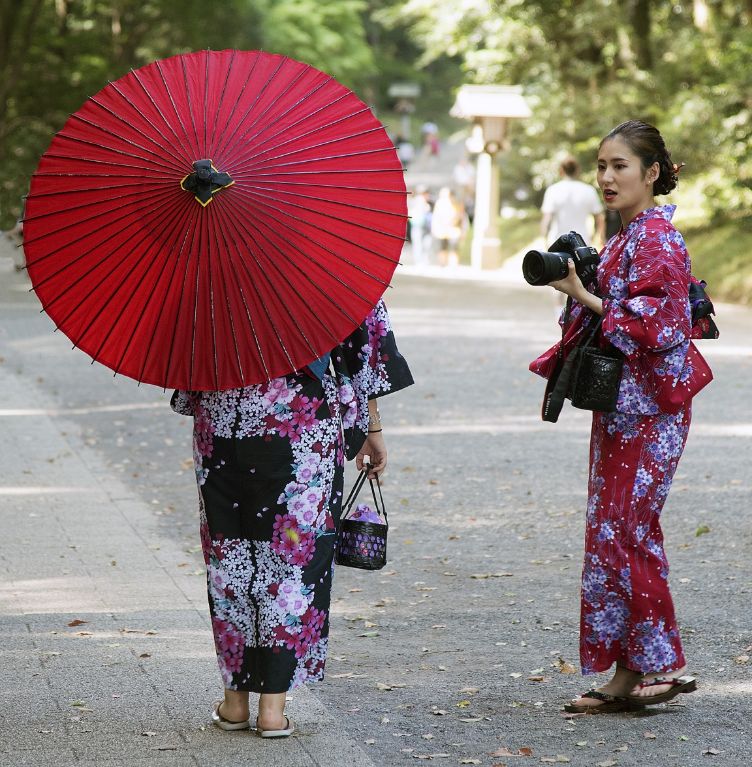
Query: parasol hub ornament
pixel 205 181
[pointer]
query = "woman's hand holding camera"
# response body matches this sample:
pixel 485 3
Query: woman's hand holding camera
pixel 572 286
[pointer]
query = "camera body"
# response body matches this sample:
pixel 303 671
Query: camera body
pixel 539 267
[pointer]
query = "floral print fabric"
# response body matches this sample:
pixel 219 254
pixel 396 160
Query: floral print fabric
pixel 269 465
pixel 627 614
pixel 643 277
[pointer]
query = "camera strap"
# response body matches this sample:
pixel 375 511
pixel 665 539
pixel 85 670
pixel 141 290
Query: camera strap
pixel 557 387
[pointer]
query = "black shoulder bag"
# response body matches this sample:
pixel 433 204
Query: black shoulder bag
pixel 590 376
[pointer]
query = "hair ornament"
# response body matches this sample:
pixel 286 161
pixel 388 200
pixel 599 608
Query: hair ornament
pixel 677 168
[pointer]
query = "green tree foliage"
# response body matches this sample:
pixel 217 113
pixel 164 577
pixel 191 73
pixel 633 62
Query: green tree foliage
pixel 586 65
pixel 56 53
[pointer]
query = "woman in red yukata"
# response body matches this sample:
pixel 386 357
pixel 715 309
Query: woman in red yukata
pixel 641 293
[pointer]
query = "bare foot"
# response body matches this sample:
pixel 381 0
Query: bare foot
pixel 234 708
pixel 271 712
pixel 655 689
pixel 620 685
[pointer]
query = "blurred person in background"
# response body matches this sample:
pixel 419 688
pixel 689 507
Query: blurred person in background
pixel 447 219
pixel 419 213
pixel 568 206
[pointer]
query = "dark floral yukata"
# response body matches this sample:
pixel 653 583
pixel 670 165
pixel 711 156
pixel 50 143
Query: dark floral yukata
pixel 627 614
pixel 269 464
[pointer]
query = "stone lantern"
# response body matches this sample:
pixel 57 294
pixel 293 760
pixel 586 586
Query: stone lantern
pixel 489 107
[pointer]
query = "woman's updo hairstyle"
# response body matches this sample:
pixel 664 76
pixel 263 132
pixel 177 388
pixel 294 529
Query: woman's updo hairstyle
pixel 647 143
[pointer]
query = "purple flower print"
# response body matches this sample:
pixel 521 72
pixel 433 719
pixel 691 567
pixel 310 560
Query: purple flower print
pixel 606 532
pixel 625 580
pixel 608 625
pixel 593 580
pixel 308 469
pixel 292 597
pixel 643 480
pixel 657 647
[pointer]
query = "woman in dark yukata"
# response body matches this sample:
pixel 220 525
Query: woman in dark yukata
pixel 627 614
pixel 269 463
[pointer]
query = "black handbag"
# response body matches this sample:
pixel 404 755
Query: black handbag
pixel 590 377
pixel 360 543
pixel 596 376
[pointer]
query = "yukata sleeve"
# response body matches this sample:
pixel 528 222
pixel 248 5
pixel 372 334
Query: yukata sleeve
pixel 367 365
pixel 184 402
pixel 650 312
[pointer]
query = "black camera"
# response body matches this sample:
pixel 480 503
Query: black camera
pixel 539 267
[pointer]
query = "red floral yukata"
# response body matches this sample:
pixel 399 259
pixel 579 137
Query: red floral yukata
pixel 627 614
pixel 269 466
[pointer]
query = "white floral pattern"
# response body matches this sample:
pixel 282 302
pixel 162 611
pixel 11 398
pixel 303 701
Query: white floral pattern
pixel 268 462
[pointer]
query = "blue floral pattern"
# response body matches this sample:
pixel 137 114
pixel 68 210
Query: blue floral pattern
pixel 643 277
pixel 627 612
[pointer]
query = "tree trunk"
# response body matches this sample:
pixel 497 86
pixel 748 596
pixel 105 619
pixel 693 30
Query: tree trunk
pixel 15 39
pixel 641 33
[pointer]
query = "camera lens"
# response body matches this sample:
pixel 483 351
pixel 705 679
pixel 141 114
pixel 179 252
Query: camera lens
pixel 540 267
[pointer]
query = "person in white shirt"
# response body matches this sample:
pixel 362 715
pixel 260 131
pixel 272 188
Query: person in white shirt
pixel 568 205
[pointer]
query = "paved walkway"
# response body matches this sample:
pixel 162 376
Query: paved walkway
pixel 462 649
pixel 106 655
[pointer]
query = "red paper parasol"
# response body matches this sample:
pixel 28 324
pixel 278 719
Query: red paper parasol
pixel 215 219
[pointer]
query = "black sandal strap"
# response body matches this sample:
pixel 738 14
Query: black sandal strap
pixel 604 697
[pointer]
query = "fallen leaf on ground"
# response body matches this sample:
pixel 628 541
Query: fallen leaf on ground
pixel 469 761
pixel 439 712
pixel 484 576
pixel 145 655
pixel 369 634
pixel 149 733
pixel 564 667
pixel 462 704
pixel 622 748
pixel 469 690
pixel 383 686
pixel 741 659
pixel 711 752
pixel 502 751
pixel 649 735
pixel 471 719
pixel 77 622
pixel 701 530
pixel 607 763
